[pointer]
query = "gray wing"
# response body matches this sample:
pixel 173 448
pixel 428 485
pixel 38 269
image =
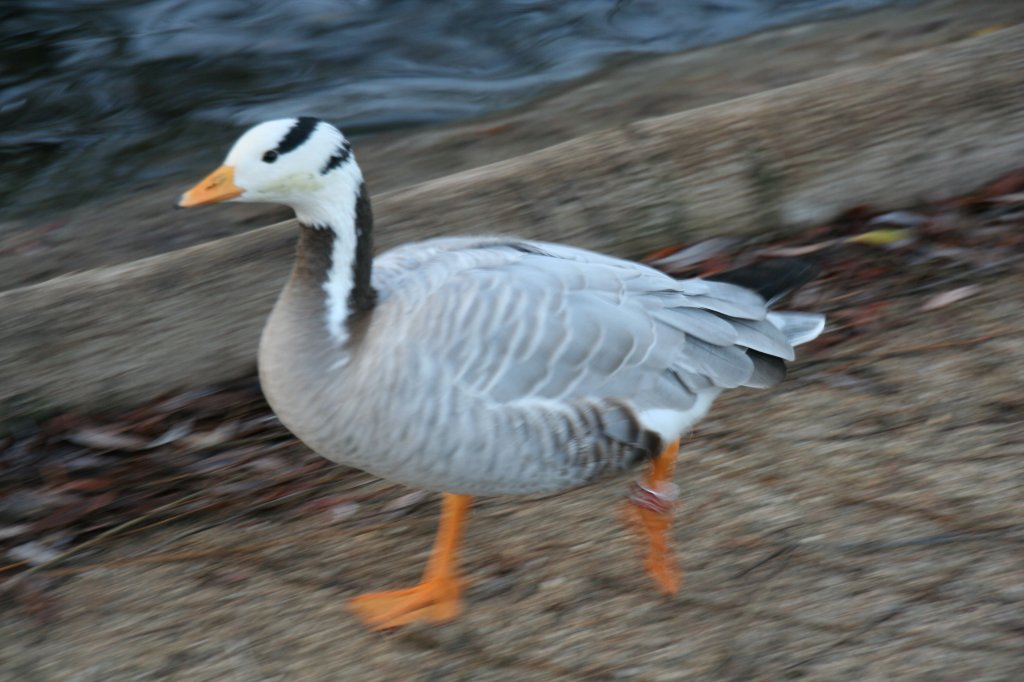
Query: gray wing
pixel 513 320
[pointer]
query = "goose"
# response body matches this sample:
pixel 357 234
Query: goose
pixel 489 365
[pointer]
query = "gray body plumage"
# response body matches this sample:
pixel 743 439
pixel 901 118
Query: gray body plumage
pixel 497 365
pixel 483 365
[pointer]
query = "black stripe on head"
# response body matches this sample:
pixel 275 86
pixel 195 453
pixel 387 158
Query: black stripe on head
pixel 341 155
pixel 297 134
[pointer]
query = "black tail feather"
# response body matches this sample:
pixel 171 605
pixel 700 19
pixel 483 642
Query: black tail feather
pixel 773 279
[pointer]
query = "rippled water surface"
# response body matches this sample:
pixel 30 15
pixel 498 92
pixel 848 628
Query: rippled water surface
pixel 100 97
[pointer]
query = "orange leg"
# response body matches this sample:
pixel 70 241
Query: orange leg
pixel 650 511
pixel 438 596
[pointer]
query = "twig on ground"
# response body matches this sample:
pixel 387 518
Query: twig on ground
pixel 93 541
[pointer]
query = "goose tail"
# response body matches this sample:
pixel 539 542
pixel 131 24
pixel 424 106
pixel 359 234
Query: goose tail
pixel 774 279
pixel 798 327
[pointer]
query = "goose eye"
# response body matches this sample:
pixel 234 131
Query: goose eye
pixel 270 157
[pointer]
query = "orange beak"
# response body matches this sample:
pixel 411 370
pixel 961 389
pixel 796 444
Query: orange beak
pixel 216 187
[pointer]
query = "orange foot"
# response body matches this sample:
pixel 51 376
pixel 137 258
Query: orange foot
pixel 435 600
pixel 652 522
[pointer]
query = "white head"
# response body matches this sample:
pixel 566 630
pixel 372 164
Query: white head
pixel 304 163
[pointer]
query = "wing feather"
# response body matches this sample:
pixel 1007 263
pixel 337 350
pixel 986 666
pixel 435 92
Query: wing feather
pixel 513 320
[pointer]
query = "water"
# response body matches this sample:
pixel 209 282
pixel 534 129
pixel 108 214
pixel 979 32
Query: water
pixel 98 97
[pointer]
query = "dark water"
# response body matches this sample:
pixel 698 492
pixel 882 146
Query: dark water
pixel 97 98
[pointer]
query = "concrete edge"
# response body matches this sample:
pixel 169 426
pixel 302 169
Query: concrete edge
pixel 932 123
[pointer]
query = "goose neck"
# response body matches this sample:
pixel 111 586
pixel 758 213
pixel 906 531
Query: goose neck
pixel 334 262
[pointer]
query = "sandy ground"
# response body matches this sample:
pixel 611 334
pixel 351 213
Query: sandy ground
pixel 861 521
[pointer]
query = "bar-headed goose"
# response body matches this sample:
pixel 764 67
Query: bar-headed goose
pixel 487 365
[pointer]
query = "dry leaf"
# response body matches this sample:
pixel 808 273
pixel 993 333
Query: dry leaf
pixel 176 432
pixel 8 532
pixel 33 553
pixel 497 129
pixel 994 28
pixel 1012 198
pixel 691 255
pixel 182 400
pixel 1010 183
pixel 210 439
pixel 794 251
pixel 950 297
pixel 100 439
pixel 406 503
pixel 883 237
pixel 900 219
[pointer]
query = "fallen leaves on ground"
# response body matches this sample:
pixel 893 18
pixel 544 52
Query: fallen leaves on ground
pixel 869 258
